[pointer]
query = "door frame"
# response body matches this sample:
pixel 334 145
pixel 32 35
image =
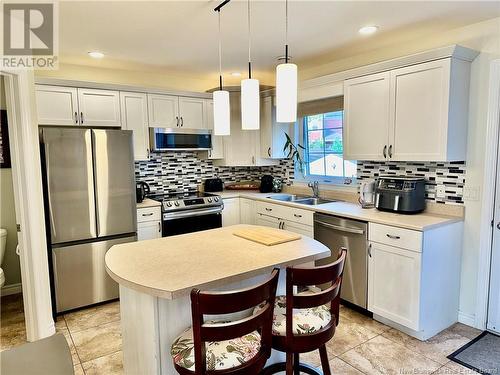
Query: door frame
pixel 488 199
pixel 28 198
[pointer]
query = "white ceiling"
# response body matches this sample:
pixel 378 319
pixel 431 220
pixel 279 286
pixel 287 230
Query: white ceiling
pixel 181 36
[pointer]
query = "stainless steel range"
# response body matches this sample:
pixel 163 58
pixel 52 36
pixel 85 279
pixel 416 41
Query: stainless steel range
pixel 190 212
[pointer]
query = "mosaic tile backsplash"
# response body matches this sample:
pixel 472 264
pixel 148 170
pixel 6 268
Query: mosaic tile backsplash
pixel 450 175
pixel 179 172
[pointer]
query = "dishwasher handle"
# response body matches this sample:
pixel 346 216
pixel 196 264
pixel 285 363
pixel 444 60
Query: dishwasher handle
pixel 340 228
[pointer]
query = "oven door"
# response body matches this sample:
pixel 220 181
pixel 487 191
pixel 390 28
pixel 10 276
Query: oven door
pixel 188 221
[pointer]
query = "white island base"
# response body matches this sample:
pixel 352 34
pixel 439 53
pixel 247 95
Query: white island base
pixel 150 325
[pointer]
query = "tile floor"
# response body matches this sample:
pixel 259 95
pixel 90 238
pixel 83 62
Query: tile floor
pixel 360 346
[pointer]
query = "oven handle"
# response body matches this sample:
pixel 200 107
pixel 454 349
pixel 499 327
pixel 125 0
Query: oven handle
pixel 191 213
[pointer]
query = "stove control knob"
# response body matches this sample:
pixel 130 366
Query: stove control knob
pixel 209 200
pixel 216 199
pixel 176 203
pixel 169 204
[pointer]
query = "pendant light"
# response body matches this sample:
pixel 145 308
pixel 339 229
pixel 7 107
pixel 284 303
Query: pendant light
pixel 250 98
pixel 222 124
pixel 286 84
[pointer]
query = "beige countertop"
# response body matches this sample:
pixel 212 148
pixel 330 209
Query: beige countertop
pixel 421 222
pixel 147 203
pixel 171 267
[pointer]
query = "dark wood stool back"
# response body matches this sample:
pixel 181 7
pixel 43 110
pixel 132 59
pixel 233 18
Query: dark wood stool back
pixel 219 303
pixel 300 277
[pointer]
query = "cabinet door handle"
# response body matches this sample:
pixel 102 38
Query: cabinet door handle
pixel 81 117
pixel 150 214
pixel 253 159
pixel 182 121
pixel 282 225
pixel 370 250
pixel 159 227
pixel 393 237
pixel 297 215
pixel 498 225
pixel 385 151
pixel 269 209
pixel 390 151
pixel 269 151
pixel 76 117
pixel 177 120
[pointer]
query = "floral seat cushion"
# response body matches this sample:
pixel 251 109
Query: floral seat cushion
pixel 220 354
pixel 305 321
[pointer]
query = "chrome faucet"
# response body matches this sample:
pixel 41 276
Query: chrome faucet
pixel 315 188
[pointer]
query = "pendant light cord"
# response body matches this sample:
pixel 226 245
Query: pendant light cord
pixel 249 42
pixel 220 56
pixel 286 31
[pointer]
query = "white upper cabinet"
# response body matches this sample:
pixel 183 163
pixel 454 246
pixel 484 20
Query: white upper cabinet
pixel 366 117
pixel 99 107
pixel 163 111
pixel 217 151
pixel 272 133
pixel 134 116
pixel 57 105
pixel 192 113
pixel 415 113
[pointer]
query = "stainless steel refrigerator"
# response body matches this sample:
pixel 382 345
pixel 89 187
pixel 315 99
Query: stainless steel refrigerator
pixel 89 190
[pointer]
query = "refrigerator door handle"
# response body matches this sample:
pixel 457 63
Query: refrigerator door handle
pixel 90 184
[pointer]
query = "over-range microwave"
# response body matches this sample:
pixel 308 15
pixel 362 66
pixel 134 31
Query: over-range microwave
pixel 166 139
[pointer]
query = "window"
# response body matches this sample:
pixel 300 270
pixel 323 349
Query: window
pixel 324 148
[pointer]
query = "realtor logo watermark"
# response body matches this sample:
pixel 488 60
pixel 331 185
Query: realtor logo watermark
pixel 30 35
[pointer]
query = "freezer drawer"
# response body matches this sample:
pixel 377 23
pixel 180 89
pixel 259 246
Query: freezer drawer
pixel 80 275
pixel 336 232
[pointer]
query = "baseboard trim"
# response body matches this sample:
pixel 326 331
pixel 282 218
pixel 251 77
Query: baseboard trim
pixel 467 319
pixel 7 290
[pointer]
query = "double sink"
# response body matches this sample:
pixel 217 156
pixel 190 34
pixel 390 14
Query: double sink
pixel 301 199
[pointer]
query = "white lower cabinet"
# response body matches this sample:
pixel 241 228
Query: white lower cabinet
pixel 268 221
pixel 247 211
pixel 394 284
pixel 231 212
pixel 148 223
pixel 303 229
pixel 148 230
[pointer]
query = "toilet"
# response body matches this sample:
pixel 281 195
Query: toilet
pixel 3 241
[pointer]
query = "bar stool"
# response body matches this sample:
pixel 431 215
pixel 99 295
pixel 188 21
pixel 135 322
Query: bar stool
pixel 315 316
pixel 227 347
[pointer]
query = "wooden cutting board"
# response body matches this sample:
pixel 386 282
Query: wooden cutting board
pixel 267 236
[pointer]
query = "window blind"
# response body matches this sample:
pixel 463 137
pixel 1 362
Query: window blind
pixel 325 105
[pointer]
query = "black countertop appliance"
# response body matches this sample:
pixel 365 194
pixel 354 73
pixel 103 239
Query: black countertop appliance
pixel 266 184
pixel 141 190
pixel 405 195
pixel 213 185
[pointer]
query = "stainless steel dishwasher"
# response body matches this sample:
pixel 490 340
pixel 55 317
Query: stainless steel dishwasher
pixel 336 232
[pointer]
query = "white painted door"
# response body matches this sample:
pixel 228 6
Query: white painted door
pixel 394 284
pixel 148 230
pixel 306 230
pixel 134 110
pixel 366 117
pixel 191 111
pixel 247 211
pixel 231 212
pixel 494 294
pixel 268 221
pixel 163 111
pixel 57 105
pixel 99 107
pixel 272 133
pixel 217 151
pixel 419 111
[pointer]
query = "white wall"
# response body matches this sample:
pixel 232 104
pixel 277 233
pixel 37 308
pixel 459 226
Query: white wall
pixel 10 263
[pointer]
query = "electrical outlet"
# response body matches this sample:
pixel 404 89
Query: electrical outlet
pixel 440 191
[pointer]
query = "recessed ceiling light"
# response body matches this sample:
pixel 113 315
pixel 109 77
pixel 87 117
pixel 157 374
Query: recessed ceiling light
pixel 236 74
pixel 96 54
pixel 367 30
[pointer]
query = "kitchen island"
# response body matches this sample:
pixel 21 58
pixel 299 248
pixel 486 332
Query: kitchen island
pixel 156 277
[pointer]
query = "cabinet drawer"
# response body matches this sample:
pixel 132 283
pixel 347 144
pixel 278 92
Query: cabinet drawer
pixel 298 215
pixel 269 209
pixel 393 236
pixel 148 214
